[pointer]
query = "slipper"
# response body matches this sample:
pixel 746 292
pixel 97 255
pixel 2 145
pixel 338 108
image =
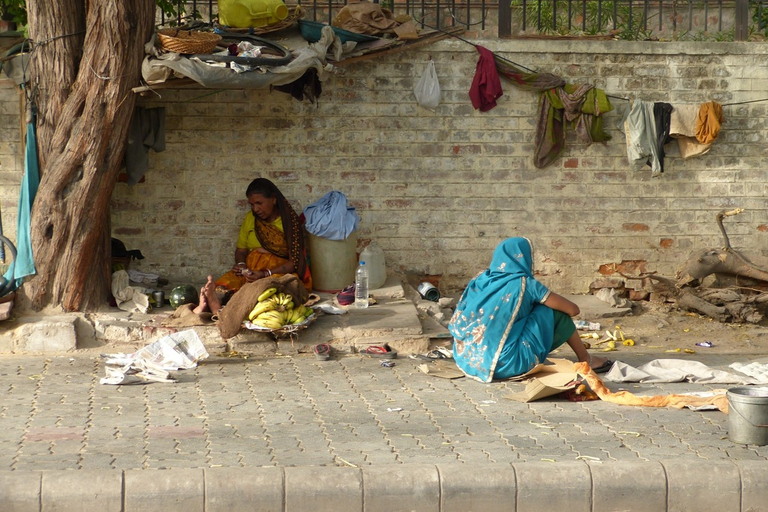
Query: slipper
pixel 346 296
pixel 380 351
pixel 431 355
pixel 322 351
pixel 603 368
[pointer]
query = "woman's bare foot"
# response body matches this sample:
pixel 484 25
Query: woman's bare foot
pixel 211 297
pixel 202 307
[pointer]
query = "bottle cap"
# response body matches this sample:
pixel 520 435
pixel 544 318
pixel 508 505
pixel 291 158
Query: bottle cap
pixel 362 263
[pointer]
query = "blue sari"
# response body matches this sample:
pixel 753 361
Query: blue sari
pixel 501 327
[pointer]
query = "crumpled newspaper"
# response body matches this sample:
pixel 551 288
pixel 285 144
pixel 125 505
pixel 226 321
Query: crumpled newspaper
pixel 178 351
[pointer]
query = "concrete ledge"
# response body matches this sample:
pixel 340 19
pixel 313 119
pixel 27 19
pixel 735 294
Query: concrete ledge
pixel 659 486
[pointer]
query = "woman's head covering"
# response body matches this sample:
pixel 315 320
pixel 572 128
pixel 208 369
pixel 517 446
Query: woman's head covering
pixel 487 314
pixel 292 226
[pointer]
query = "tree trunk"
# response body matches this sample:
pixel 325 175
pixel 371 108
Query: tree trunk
pixel 87 58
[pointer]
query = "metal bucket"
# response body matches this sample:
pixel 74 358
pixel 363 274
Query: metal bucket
pixel 748 415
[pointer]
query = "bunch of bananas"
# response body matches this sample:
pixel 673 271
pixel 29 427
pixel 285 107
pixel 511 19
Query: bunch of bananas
pixel 273 310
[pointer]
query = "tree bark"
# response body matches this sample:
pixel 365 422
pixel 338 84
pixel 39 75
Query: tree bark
pixel 87 59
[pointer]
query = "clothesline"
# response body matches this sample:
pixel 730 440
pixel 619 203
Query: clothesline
pixel 496 55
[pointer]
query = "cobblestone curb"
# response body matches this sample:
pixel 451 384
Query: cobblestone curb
pixel 532 486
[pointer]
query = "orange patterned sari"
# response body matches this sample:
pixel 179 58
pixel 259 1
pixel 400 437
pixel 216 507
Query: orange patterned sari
pixel 274 251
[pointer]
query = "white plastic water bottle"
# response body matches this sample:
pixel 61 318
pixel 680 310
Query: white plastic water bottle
pixel 361 286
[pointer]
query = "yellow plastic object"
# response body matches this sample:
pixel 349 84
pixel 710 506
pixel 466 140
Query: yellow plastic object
pixel 251 13
pixel 628 342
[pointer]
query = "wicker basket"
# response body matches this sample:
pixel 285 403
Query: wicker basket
pixel 187 41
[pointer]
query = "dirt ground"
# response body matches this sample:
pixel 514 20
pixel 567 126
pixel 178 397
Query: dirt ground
pixel 663 329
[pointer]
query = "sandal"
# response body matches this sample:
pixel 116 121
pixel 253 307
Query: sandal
pixel 380 351
pixel 322 351
pixel 603 368
pixel 346 296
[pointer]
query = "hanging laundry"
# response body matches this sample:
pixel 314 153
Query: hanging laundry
pixel 682 127
pixel 708 122
pixel 639 128
pixel 580 105
pixel 307 86
pixel 486 86
pixel 147 131
pixel 24 263
pixel 661 114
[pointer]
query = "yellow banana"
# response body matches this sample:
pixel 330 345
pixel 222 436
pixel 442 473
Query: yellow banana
pixel 295 316
pixel 269 324
pixel 261 307
pixel 288 305
pixel 272 313
pixel 267 293
pixel 308 311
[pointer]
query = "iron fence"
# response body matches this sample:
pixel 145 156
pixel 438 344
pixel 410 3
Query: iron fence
pixel 714 20
pixel 718 20
pixel 472 15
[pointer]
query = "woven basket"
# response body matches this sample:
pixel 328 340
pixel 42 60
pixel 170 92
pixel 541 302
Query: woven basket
pixel 187 41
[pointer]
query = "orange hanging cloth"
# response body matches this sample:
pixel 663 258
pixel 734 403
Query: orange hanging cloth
pixel 709 121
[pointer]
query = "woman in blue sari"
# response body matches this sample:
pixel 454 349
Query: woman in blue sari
pixel 506 322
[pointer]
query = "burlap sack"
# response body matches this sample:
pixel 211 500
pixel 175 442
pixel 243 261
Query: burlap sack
pixel 365 18
pixel 232 315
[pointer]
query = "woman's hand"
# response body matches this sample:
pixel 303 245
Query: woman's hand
pixel 252 276
pixel 239 268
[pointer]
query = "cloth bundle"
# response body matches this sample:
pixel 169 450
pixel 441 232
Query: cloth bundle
pixel 649 126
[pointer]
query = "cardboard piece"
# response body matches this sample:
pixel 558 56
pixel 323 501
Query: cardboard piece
pixel 554 365
pixel 445 369
pixel 550 378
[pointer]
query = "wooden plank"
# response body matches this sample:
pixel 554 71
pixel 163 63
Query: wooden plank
pixel 412 45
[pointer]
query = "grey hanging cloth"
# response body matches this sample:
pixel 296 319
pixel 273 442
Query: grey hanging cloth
pixel 147 132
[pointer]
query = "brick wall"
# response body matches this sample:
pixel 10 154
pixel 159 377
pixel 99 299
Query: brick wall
pixel 11 158
pixel 438 190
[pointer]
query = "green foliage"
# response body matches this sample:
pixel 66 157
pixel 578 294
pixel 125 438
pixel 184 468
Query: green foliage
pixel 16 10
pixel 584 18
pixel 760 17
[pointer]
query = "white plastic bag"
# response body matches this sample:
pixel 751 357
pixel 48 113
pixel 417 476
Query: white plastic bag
pixel 427 90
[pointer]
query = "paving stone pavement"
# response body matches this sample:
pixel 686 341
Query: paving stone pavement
pixel 235 412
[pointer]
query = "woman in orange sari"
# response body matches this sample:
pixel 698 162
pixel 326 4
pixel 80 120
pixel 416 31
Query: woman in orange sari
pixel 270 243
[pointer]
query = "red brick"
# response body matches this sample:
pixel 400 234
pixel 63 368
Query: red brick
pixel 571 163
pixel 635 227
pixel 666 243
pixel 762 227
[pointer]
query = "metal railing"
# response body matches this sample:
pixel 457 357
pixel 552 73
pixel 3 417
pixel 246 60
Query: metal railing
pixel 441 14
pixel 718 20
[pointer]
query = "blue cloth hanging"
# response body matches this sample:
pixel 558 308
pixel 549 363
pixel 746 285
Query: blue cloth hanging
pixel 24 264
pixel 331 217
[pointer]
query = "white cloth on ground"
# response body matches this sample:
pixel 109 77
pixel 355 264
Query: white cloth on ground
pixel 142 277
pixel 128 298
pixel 757 370
pixel 674 370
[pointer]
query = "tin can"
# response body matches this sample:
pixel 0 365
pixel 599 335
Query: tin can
pixel 428 291
pixel 159 296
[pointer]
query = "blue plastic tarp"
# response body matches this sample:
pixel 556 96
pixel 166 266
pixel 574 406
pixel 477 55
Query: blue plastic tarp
pixel 331 217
